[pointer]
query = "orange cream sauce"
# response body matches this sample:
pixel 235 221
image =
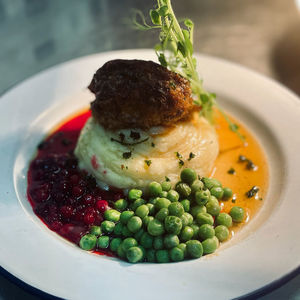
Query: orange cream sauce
pixel 231 147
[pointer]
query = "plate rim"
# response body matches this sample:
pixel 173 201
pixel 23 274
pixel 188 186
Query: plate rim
pixel 290 275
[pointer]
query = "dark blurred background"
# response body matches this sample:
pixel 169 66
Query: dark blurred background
pixel 263 35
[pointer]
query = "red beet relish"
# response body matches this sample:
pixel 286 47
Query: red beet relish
pixel 64 197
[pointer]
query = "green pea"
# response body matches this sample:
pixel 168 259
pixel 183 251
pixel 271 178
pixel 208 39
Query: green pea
pixel 163 194
pixel 126 215
pixel 155 227
pixel 196 230
pixel 151 255
pixel 186 205
pixel 194 248
pixel 186 234
pixel 162 203
pixel 204 218
pixel 214 200
pixel 217 191
pixel 210 245
pixel 134 254
pixel 88 242
pixel 162 256
pixel 237 213
pixel 176 254
pixel 143 251
pixel 134 224
pixel 158 243
pixel 126 232
pixel 128 243
pixel 171 240
pixel 176 209
pixel 197 186
pixel 162 214
pixel 206 231
pixel 222 233
pixel 146 220
pixel 120 252
pixel 173 196
pixel 227 193
pixel 183 189
pixel 107 226
pixel 202 197
pixel 211 182
pixel 195 210
pixel 224 219
pixel 112 215
pixel 213 208
pixel 154 189
pixel 118 228
pixel 146 240
pixel 142 211
pixel 182 246
pixel 121 204
pixel 153 200
pixel 186 219
pixel 103 242
pixel 166 186
pixel 173 224
pixel 188 175
pixel 137 203
pixel 95 230
pixel 151 208
pixel 134 194
pixel 138 235
pixel 114 244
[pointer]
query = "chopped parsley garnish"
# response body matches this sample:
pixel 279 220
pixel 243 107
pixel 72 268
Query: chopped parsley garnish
pixel 178 155
pixel 231 171
pixel 127 155
pixel 191 156
pixel 167 178
pixel 252 192
pixel 152 145
pixel 135 135
pixel 181 163
pixel 148 162
pixel 129 144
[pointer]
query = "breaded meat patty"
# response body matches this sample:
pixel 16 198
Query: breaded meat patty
pixel 139 94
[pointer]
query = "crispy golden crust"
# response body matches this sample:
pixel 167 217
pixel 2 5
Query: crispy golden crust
pixel 139 94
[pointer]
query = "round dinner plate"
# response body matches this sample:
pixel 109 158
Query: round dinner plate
pixel 266 250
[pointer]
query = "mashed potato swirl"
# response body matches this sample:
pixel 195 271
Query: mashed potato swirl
pixel 102 156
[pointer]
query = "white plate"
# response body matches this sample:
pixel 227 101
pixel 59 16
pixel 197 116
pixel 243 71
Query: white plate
pixel 267 248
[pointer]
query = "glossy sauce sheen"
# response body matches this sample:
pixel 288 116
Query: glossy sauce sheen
pixel 231 147
pixel 73 223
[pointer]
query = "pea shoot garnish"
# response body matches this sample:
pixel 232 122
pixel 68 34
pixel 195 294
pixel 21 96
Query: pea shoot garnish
pixel 175 51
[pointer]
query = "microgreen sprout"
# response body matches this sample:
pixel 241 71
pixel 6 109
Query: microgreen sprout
pixel 175 51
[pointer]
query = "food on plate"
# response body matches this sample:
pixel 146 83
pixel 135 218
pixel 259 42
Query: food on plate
pixel 152 172
pixel 127 157
pixel 139 94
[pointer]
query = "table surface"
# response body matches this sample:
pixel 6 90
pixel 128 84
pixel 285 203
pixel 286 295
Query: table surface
pixel 260 34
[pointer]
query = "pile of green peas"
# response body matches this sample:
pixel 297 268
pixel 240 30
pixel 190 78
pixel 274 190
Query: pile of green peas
pixel 172 225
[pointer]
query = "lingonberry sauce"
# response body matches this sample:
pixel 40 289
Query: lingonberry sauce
pixel 64 197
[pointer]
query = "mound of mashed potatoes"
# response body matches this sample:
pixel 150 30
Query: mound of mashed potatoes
pixel 132 158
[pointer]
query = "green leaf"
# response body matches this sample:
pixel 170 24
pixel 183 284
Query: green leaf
pixel 181 49
pixel 188 43
pixel 162 60
pixel 155 17
pixel 163 11
pixel 189 23
pixel 234 127
pixel 204 98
